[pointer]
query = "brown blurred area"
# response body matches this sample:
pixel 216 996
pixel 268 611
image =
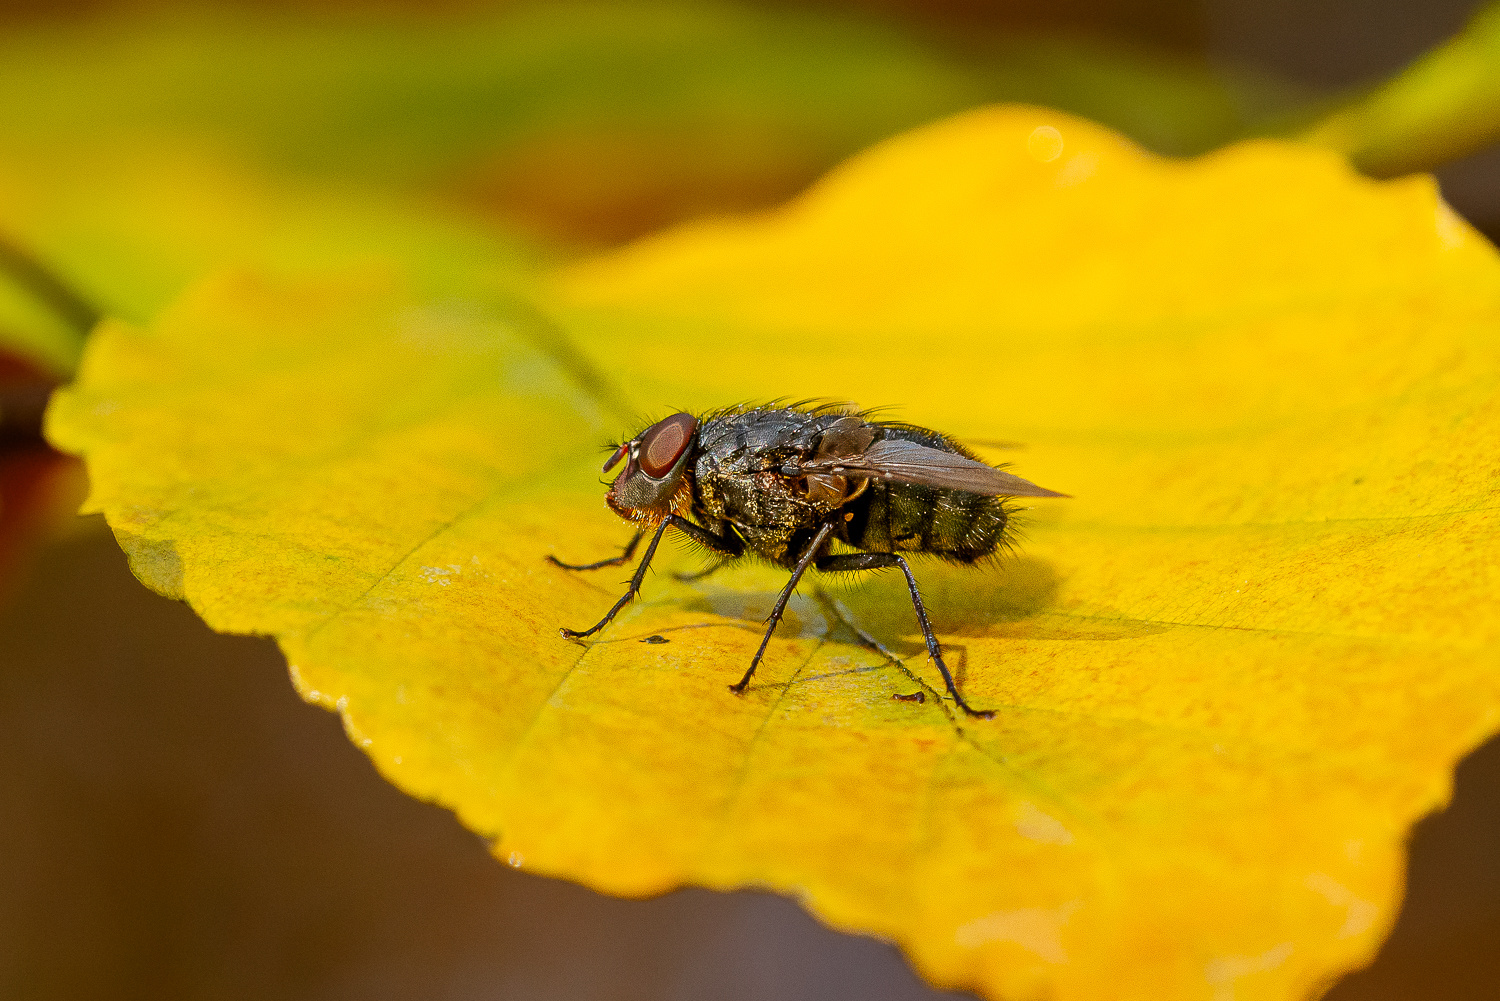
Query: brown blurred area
pixel 177 824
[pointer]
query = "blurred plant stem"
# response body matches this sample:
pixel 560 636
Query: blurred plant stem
pixel 27 377
pixel 39 283
pixel 24 387
pixel 1445 105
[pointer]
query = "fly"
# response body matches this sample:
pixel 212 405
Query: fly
pixel 787 483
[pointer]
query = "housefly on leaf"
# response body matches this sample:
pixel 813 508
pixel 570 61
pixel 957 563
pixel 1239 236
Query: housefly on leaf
pixel 785 483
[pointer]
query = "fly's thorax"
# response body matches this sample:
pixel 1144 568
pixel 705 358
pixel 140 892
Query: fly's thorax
pixel 749 498
pixel 761 506
pixel 738 477
pixel 748 466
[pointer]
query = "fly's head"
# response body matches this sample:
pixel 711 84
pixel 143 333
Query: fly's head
pixel 653 483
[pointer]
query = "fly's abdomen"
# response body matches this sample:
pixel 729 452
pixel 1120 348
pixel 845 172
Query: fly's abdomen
pixel 906 518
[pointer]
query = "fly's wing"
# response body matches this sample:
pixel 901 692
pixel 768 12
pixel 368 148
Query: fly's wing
pixel 908 462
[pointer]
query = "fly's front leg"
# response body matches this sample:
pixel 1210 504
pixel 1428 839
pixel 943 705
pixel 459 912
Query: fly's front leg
pixel 879 561
pixel 726 544
pixel 635 587
pixel 786 593
pixel 613 561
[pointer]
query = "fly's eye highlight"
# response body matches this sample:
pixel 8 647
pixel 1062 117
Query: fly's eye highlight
pixel 664 442
pixel 614 460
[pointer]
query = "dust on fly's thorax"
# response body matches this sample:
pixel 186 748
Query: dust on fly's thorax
pixel 739 470
pixel 765 508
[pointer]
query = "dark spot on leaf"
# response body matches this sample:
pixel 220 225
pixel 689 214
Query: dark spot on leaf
pixel 656 639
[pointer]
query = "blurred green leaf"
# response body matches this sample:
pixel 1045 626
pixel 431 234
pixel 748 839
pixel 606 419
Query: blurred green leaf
pixel 392 97
pixel 135 222
pixel 1441 107
pixel 601 119
pixel 139 152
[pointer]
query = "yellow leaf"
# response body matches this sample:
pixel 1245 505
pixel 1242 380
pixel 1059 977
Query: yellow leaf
pixel 1228 675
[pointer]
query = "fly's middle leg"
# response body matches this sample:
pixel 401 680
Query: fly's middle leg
pixel 806 561
pixel 879 561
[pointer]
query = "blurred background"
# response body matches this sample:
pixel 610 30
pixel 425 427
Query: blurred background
pixel 175 822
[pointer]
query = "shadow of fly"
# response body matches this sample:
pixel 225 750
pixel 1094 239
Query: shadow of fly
pixel 789 483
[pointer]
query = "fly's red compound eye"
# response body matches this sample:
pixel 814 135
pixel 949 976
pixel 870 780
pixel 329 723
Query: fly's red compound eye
pixel 664 442
pixel 615 459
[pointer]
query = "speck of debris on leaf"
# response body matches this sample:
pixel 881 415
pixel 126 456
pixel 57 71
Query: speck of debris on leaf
pixel 913 697
pixel 656 639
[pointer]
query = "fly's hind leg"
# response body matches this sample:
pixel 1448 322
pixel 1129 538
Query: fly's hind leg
pixel 613 561
pixel 806 561
pixel 879 561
